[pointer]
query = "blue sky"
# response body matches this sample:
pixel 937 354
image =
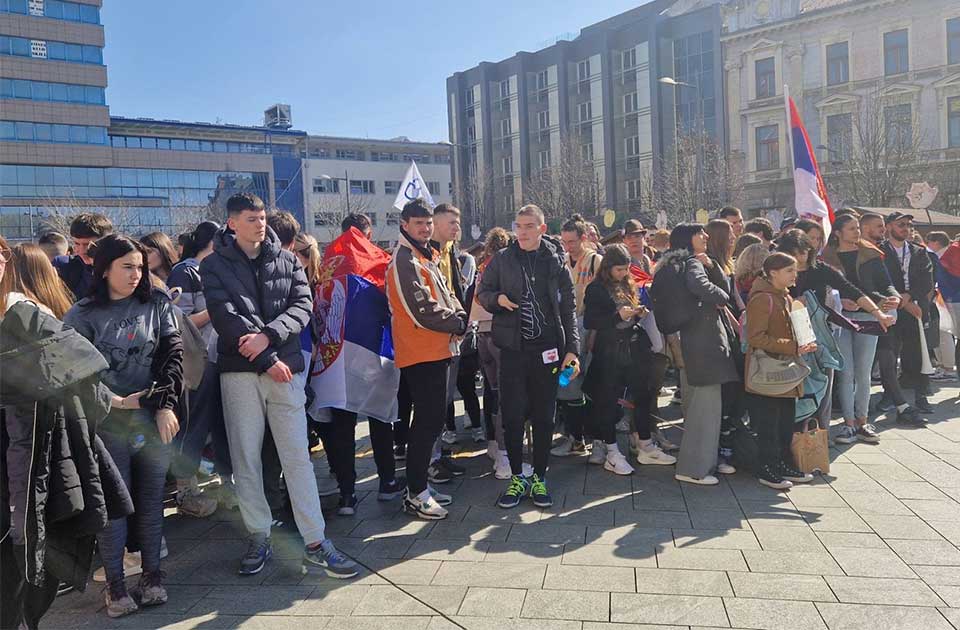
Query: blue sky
pixel 365 68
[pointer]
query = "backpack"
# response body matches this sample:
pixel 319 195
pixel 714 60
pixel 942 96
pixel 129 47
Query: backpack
pixel 673 305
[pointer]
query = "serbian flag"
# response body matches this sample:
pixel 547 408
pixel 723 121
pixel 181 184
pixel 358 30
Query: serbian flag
pixel 352 365
pixel 810 194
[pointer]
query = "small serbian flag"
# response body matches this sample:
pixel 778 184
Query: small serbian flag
pixel 353 366
pixel 810 192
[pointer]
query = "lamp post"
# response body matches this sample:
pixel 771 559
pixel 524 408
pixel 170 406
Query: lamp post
pixel 346 183
pixel 698 121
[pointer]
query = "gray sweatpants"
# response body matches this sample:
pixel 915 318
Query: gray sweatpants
pixel 250 401
pixel 702 406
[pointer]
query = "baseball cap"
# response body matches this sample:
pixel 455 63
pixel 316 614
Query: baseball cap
pixel 896 216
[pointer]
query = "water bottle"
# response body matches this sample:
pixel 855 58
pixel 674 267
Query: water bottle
pixel 566 375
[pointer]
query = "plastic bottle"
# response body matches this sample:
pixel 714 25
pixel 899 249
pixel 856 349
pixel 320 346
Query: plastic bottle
pixel 566 375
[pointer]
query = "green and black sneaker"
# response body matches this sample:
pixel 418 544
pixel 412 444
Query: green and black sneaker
pixel 518 487
pixel 538 492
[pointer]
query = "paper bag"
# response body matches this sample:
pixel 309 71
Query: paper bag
pixel 811 450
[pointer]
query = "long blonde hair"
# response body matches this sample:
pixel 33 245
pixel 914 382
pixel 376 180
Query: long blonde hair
pixel 31 273
pixel 307 246
pixel 749 264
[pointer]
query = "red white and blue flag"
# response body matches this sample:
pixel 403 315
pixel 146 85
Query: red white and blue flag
pixel 810 193
pixel 353 367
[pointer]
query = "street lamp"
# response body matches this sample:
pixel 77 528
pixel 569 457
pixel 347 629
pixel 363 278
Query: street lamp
pixel 346 183
pixel 698 120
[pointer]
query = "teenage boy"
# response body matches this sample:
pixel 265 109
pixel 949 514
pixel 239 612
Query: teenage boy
pixel 259 300
pixel 530 294
pixel 77 271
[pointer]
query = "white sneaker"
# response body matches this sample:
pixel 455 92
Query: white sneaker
pixel 439 497
pixel 662 440
pixel 617 463
pixel 479 435
pixel 502 470
pixel 598 454
pixel 708 480
pixel 725 469
pixel 428 510
pixel 448 437
pixel 493 449
pixel 652 455
pixel 846 435
pixel 563 448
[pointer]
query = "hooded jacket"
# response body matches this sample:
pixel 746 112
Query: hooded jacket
pixel 504 276
pixel 425 315
pixel 268 294
pixel 768 326
pixel 872 277
pixel 73 486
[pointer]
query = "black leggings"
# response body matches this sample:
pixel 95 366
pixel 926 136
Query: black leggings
pixel 341 435
pixel 639 381
pixel 467 386
pixel 773 420
pixel 405 405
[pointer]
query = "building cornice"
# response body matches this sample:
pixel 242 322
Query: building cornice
pixel 813 16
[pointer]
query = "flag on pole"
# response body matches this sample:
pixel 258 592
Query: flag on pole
pixel 412 187
pixel 810 193
pixel 353 367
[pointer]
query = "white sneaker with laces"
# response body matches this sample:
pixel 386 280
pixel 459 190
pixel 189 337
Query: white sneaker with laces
pixel 563 448
pixel 428 509
pixel 846 435
pixel 598 454
pixel 441 498
pixel 502 470
pixel 617 463
pixel 448 437
pixel 708 480
pixel 662 440
pixel 651 454
pixel 724 468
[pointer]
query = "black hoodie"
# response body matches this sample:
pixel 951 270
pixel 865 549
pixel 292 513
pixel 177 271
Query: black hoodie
pixel 268 294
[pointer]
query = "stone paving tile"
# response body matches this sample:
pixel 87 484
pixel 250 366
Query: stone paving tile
pixel 816 497
pixel 835 520
pixel 450 530
pixel 772 614
pixel 582 605
pixel 855 590
pixel 443 599
pixel 937 552
pixel 490 574
pixel 876 617
pixel 773 538
pixel 948 529
pixel 864 503
pixel 683 582
pixel 907 527
pixel 952 615
pixel 547 532
pixel 391 601
pixel 934 510
pixel 492 602
pixel 610 555
pixel 629 535
pixel 447 550
pixel 871 563
pixel 709 518
pixel 488 623
pixel 831 540
pixel 949 594
pixel 949 576
pixel 417 572
pixel 390 528
pixel 583 578
pixel 713 559
pixel 603 625
pixel 667 609
pixel 715 539
pixel 517 552
pixel 914 490
pixel 492 514
pixel 800 562
pixel 384 548
pixel 651 520
pixel 781 586
pixel 378 623
pixel 255 600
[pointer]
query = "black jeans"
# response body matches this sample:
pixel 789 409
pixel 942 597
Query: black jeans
pixel 773 420
pixel 528 391
pixel 901 341
pixel 405 406
pixel 467 386
pixel 427 383
pixel 638 380
pixel 205 417
pixel 341 437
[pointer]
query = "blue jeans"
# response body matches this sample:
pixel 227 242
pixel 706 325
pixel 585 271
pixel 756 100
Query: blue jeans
pixel 853 381
pixel 205 418
pixel 133 441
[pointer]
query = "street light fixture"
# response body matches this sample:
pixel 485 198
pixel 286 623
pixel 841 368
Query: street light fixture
pixel 346 183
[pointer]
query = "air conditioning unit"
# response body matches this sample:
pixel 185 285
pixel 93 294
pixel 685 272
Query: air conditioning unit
pixel 277 117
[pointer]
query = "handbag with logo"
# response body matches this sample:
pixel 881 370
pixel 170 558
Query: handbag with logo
pixel 772 375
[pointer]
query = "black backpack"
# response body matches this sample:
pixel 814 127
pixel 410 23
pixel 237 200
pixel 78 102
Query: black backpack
pixel 673 305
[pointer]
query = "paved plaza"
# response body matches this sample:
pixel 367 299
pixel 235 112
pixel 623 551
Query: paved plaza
pixel 873 545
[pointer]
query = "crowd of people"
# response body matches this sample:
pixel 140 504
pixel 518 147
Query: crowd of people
pixel 204 347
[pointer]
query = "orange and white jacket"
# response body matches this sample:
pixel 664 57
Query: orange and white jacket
pixel 427 319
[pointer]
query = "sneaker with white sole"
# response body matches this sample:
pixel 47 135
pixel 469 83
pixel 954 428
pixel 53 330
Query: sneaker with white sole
pixel 191 501
pixel 662 440
pixel 793 475
pixel 724 468
pixel 502 470
pixel 428 509
pixel 598 454
pixel 617 463
pixel 563 448
pixel 441 498
pixel 493 449
pixel 651 454
pixel 772 479
pixel 868 433
pixel 326 558
pixel 150 590
pixel 118 600
pixel 846 435
pixel 448 437
pixel 707 480
pixel 479 435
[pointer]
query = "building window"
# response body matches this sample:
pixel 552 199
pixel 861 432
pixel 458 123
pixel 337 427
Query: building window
pixel 839 137
pixel 55 9
pixel 583 70
pixel 349 154
pixel 507 164
pixel 896 56
pixel 505 88
pixel 632 151
pixel 46 132
pixel 543 159
pixel 838 63
pixel 53 51
pixel 362 187
pixel 694 59
pixel 898 126
pixel 633 189
pixel 953 40
pixel 391 187
pixel 630 103
pixel 393 218
pixel 766 77
pixel 585 112
pixel 953 122
pixel 542 80
pixel 586 152
pixel 321 185
pixel 433 187
pixel 505 128
pixel 543 119
pixel 768 147
pixel 384 156
pixel 628 59
pixel 54 92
